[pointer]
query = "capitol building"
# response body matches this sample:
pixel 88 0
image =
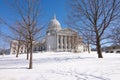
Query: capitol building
pixel 56 39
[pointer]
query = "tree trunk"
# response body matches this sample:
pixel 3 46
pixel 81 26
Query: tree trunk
pixel 30 63
pixel 17 52
pixel 27 54
pixel 99 52
pixel 88 47
pixel 27 51
pixel 18 48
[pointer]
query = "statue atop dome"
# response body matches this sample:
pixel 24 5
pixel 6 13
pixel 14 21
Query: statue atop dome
pixel 54 16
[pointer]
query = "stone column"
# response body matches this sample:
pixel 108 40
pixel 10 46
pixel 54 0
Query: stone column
pixel 70 42
pixel 57 42
pixel 61 40
pixel 65 43
pixel 73 43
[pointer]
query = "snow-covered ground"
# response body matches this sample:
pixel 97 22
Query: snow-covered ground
pixel 61 66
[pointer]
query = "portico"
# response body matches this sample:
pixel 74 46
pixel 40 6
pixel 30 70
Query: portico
pixel 66 42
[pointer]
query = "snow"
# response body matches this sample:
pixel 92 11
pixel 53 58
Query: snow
pixel 61 66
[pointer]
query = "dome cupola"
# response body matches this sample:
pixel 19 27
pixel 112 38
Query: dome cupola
pixel 54 25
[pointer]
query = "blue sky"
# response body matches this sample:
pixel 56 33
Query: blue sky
pixel 49 8
pixel 58 7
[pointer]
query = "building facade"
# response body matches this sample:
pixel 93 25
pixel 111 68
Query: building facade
pixel 17 46
pixel 57 39
pixel 112 49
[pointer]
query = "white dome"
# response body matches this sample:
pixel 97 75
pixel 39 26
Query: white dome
pixel 54 24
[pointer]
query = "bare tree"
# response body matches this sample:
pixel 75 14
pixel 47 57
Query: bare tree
pixel 29 14
pixel 87 37
pixel 115 35
pixel 76 41
pixel 19 37
pixel 94 16
pixel 16 34
pixel 29 22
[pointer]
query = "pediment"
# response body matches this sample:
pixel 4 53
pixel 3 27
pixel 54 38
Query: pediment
pixel 67 31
